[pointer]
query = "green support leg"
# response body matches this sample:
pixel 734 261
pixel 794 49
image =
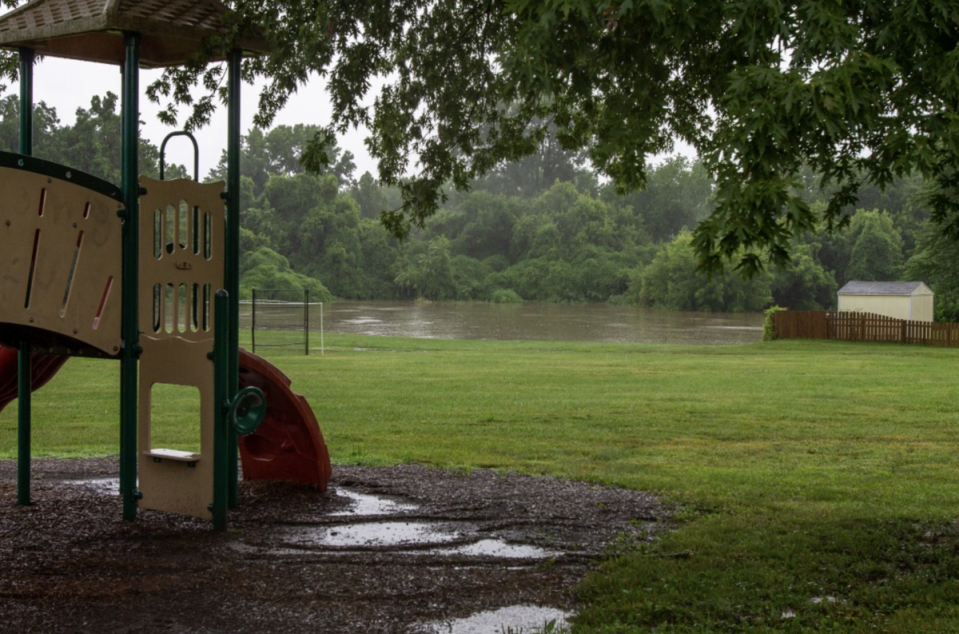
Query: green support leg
pixel 233 249
pixel 221 430
pixel 131 236
pixel 24 361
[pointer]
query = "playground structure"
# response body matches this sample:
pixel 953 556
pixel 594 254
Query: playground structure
pixel 145 273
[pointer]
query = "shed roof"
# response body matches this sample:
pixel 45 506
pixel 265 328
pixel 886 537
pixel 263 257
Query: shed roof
pixel 885 288
pixel 91 30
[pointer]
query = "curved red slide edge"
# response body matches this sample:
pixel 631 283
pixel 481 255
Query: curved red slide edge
pixel 288 444
pixel 43 368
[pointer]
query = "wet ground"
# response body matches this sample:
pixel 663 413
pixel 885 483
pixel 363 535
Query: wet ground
pixel 398 549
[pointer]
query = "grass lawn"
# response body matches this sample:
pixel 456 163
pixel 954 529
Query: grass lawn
pixel 817 483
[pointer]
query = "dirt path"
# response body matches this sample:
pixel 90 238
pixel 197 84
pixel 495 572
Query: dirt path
pixel 399 549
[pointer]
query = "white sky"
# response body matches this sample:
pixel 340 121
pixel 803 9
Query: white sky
pixel 67 85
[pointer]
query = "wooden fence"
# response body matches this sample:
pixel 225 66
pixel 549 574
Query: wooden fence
pixel 848 326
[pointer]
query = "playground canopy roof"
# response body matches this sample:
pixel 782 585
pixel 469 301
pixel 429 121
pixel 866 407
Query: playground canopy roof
pixel 92 30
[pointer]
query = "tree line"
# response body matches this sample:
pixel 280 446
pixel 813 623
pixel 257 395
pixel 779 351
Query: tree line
pixel 545 228
pixel 541 228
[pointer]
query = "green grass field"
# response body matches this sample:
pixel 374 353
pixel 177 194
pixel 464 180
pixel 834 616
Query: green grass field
pixel 816 483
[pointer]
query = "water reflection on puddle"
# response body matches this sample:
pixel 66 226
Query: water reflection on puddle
pixel 375 534
pixel 498 548
pixel 364 505
pixel 410 537
pixel 528 619
pixel 103 486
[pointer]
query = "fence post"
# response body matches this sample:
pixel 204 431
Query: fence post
pixel 306 319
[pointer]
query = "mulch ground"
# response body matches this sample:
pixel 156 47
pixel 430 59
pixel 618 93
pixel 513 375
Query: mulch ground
pixel 68 563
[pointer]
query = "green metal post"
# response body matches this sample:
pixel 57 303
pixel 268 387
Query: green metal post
pixel 131 233
pixel 24 359
pixel 26 101
pixel 221 429
pixel 235 61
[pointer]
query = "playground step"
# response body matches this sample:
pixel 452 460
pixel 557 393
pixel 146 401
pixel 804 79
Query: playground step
pixel 159 455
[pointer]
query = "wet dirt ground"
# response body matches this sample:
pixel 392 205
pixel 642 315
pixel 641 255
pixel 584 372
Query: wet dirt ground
pixel 398 549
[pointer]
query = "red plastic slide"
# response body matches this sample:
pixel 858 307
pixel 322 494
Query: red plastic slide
pixel 43 367
pixel 288 444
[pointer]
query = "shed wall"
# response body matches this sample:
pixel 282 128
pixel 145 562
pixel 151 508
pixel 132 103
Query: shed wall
pixel 923 307
pixel 918 308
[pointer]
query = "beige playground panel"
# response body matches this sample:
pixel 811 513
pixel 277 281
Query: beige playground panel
pixel 182 231
pixel 61 249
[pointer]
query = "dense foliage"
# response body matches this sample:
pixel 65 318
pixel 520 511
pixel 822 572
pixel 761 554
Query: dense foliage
pixel 518 236
pixel 862 92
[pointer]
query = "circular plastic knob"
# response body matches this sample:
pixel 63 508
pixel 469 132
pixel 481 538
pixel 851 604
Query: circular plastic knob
pixel 247 410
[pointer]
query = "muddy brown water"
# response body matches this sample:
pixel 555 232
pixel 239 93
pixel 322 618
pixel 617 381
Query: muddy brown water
pixel 525 321
pixel 398 549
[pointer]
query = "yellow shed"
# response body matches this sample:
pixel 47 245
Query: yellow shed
pixel 902 300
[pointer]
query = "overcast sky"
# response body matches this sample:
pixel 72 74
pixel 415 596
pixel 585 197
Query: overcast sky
pixel 67 85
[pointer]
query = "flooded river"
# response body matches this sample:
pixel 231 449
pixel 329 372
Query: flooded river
pixel 536 321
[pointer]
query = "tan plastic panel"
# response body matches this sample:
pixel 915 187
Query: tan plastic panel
pixel 60 258
pixel 173 484
pixel 182 231
pixel 177 331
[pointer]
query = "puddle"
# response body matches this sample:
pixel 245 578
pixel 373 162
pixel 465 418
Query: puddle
pixel 517 619
pixel 411 538
pixel 363 504
pixel 103 486
pixel 499 548
pixel 376 534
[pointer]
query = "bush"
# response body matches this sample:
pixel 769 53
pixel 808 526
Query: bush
pixel 505 296
pixel 769 332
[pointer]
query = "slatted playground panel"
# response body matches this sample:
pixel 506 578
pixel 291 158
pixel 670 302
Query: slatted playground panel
pixel 182 229
pixel 60 263
pixel 849 326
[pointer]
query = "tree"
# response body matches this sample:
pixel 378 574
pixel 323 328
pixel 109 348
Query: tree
pixel 91 144
pixel 934 263
pixel 282 151
pixel 877 252
pixel 860 91
pixel 265 268
pixel 677 196
pixel 670 282
pixel 46 124
pixel 530 175
pixel 426 270
pixel 803 283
